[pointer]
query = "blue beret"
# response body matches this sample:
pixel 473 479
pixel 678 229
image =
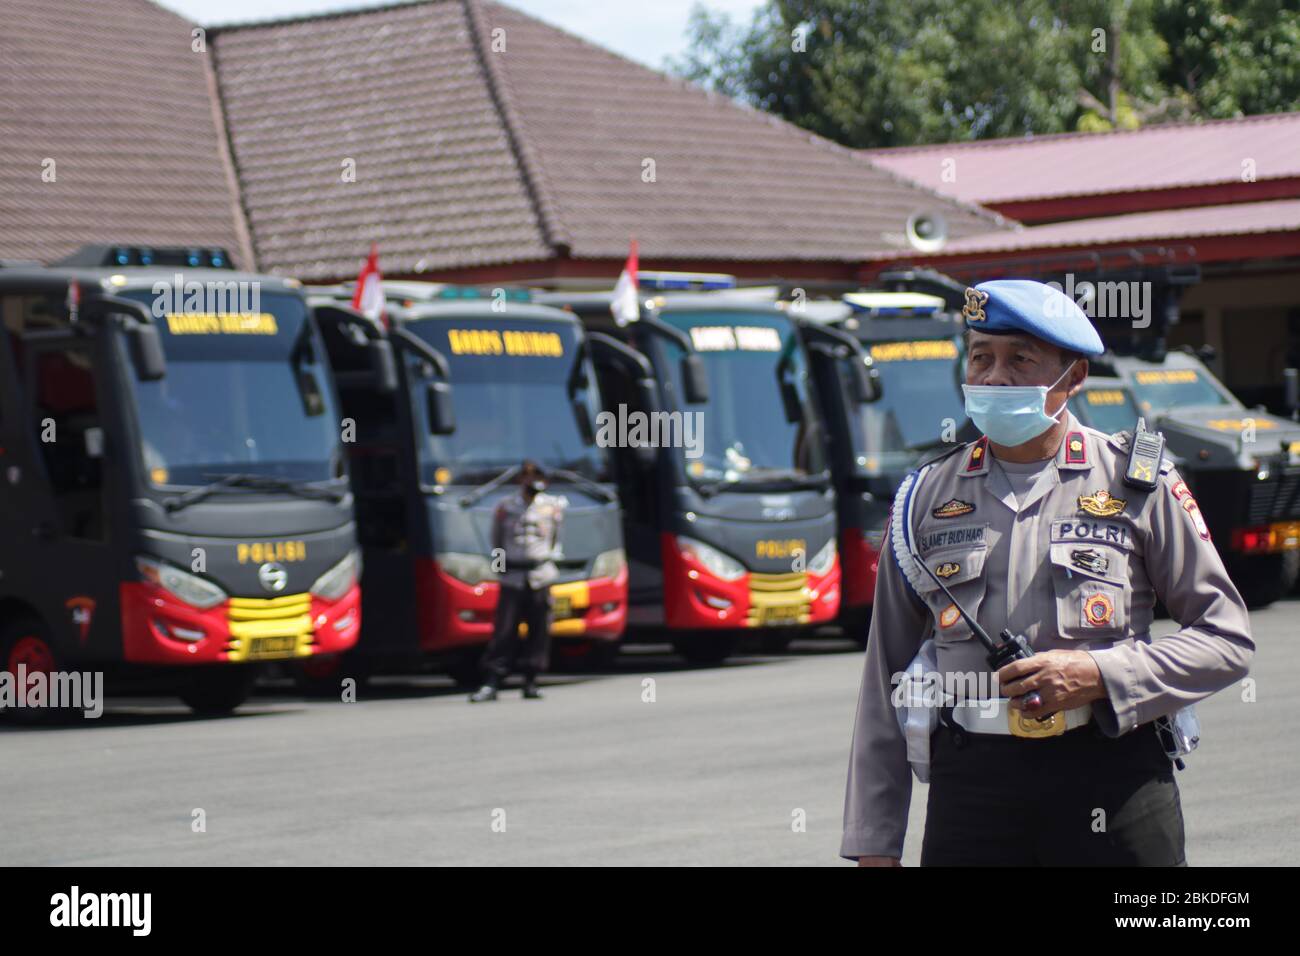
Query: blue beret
pixel 1003 306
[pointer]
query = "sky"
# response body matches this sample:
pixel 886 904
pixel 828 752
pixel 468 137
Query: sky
pixel 644 30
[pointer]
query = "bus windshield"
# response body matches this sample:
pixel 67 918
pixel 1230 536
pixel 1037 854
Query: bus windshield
pixel 244 393
pixel 919 394
pixel 745 436
pixel 1106 409
pixel 1165 388
pixel 511 398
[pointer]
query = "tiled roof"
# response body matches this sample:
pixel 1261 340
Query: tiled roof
pixel 1200 222
pixel 113 94
pixel 399 92
pixel 468 153
pixel 1084 164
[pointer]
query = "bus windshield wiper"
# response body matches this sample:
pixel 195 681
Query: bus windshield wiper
pixel 583 482
pixel 787 477
pixel 474 496
pixel 303 489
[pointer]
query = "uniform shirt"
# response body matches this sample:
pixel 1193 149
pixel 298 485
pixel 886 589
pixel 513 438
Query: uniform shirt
pixel 530 537
pixel 1077 562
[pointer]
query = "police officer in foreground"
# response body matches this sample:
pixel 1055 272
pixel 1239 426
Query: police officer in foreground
pixel 1065 537
pixel 527 528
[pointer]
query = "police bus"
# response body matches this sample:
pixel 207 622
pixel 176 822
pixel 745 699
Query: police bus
pixel 175 488
pixel 485 380
pixel 728 507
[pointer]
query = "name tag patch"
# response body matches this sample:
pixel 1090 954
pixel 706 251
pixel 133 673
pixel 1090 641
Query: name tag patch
pixel 1088 530
pixel 951 537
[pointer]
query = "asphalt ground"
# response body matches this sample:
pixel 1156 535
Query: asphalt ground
pixel 653 762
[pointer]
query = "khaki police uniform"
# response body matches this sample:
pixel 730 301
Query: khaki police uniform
pixel 1076 563
pixel 529 534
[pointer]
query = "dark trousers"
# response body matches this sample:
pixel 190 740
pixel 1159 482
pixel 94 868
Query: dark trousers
pixel 1080 799
pixel 517 604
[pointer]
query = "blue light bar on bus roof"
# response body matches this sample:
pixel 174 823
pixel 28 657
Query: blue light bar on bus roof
pixel 450 291
pixel 685 281
pixel 888 304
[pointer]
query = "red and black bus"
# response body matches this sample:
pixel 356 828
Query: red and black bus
pixel 727 498
pixel 175 492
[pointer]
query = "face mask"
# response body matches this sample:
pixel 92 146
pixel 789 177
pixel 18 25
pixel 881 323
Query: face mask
pixel 1011 415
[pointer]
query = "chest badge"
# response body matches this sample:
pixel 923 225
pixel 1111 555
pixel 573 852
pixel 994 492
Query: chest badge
pixel 947 569
pixel 1089 559
pixel 953 508
pixel 1101 504
pixel 1098 610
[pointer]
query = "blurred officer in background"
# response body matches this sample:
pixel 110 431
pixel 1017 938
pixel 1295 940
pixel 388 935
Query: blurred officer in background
pixel 1065 536
pixel 527 528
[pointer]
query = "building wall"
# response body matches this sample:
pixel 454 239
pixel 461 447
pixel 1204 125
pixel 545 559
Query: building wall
pixel 1253 323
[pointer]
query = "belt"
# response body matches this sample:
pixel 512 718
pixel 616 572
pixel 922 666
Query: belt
pixel 997 717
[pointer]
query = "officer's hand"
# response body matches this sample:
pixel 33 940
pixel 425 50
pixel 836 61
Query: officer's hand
pixel 878 861
pixel 1063 679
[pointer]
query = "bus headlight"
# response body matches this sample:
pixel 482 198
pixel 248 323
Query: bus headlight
pixel 190 588
pixel 608 564
pixel 823 559
pixel 466 568
pixel 718 564
pixel 340 579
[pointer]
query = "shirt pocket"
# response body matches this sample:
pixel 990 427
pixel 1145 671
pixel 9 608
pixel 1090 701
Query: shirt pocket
pixel 1092 590
pixel 961 569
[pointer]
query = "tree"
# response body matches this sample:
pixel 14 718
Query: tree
pixel 871 73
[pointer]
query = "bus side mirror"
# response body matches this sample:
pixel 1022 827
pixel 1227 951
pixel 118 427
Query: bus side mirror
pixel 582 415
pixel 147 352
pixel 648 395
pixel 437 396
pixel 790 402
pixel 313 401
pixel 866 382
pixel 383 365
pixel 695 380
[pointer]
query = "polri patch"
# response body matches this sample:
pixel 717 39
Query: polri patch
pixel 953 508
pixel 1092 531
pixel 949 616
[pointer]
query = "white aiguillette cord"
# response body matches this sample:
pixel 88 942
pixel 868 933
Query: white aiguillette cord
pixel 916 570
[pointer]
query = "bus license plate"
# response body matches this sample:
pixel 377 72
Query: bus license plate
pixel 779 615
pixel 283 646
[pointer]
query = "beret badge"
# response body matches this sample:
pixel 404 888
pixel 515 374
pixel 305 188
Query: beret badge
pixel 973 310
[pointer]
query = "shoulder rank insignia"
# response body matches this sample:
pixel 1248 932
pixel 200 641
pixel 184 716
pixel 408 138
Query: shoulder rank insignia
pixel 975 461
pixel 973 310
pixel 1097 610
pixel 1076 452
pixel 953 508
pixel 1101 504
pixel 947 569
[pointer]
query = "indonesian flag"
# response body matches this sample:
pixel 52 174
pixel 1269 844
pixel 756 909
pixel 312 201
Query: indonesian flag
pixel 368 299
pixel 624 305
